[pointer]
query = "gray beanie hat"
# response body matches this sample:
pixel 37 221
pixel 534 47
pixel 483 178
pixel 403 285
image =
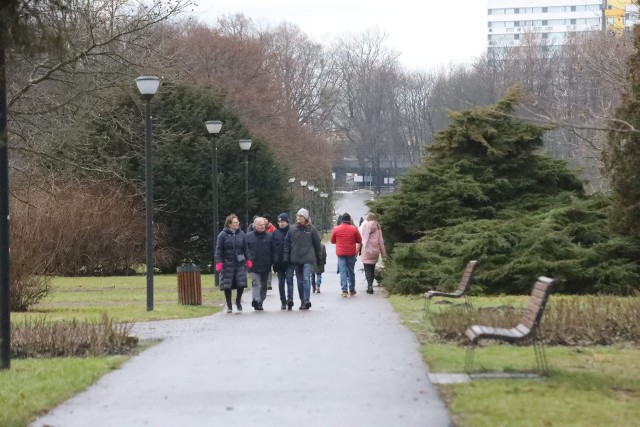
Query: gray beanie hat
pixel 304 213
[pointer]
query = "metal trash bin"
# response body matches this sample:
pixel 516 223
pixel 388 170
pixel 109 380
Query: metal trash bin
pixel 189 285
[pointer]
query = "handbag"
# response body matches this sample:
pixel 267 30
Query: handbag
pixel 239 257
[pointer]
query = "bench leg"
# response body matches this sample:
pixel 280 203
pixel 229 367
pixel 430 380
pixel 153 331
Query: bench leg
pixel 425 309
pixel 541 357
pixel 468 359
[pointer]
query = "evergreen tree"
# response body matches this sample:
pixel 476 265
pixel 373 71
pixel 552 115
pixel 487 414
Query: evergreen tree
pixel 183 193
pixel 622 157
pixel 486 192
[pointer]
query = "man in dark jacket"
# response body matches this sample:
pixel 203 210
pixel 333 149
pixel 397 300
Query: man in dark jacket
pixel 302 250
pixel 260 245
pixel 279 266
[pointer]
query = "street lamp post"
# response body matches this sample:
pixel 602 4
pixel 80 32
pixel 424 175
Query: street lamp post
pixel 213 127
pixel 5 307
pixel 245 145
pixel 303 183
pixel 291 181
pixel 148 85
pixel 310 208
pixel 315 200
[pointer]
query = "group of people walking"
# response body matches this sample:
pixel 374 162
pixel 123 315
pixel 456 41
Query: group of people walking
pixel 292 250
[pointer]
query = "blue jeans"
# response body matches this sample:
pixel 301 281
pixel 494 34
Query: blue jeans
pixel 346 265
pixel 303 277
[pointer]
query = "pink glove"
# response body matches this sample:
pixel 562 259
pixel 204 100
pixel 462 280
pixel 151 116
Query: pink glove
pixel 219 267
pixel 249 264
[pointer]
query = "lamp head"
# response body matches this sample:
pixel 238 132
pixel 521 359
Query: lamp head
pixel 245 144
pixel 148 86
pixel 303 183
pixel 213 126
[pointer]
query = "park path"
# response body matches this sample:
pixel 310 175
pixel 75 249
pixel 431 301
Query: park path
pixel 345 362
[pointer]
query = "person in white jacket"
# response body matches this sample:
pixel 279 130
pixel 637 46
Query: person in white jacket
pixel 372 247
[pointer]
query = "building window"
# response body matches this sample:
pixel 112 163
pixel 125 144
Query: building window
pixel 573 8
pixel 545 23
pixel 573 22
pixel 545 10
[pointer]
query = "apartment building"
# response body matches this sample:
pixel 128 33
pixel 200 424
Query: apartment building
pixel 512 22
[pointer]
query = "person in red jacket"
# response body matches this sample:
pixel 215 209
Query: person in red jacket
pixel 346 237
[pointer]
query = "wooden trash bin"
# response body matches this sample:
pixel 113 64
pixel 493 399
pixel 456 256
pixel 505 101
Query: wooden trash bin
pixel 189 285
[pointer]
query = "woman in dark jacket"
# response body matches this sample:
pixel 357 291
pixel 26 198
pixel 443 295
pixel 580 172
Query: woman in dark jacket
pixel 232 255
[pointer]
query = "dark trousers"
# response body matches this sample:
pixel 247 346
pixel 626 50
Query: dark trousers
pixel 369 273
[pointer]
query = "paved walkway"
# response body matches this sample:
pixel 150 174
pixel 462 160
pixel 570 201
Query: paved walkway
pixel 346 362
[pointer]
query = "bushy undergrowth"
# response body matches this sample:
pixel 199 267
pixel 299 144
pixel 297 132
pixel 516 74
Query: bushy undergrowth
pixel 39 338
pixel 585 320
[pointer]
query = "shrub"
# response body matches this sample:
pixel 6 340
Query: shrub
pixel 39 338
pixel 584 320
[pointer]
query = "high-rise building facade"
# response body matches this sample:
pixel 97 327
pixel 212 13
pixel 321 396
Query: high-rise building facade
pixel 512 23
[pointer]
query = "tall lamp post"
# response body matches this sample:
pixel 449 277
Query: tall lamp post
pixel 148 86
pixel 310 208
pixel 315 200
pixel 5 307
pixel 291 181
pixel 245 145
pixel 303 183
pixel 213 127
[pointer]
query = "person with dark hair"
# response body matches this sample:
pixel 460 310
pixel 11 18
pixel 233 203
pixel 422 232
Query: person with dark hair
pixel 346 237
pixel 279 265
pixel 371 249
pixel 318 269
pixel 302 250
pixel 260 245
pixel 233 255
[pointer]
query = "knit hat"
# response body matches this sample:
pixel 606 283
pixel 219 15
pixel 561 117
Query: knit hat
pixel 304 213
pixel 283 217
pixel 346 217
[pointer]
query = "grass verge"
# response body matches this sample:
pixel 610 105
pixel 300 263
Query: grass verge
pixel 588 386
pixel 33 386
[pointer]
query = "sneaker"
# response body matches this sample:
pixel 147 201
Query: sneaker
pixel 269 287
pixel 289 304
pixel 259 307
pixel 229 310
pixel 283 306
pixel 318 290
pixel 314 289
pixel 352 292
pixel 344 294
pixel 308 304
pixel 370 290
pixel 239 306
pixel 254 304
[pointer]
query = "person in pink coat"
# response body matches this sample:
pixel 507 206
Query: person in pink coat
pixel 372 247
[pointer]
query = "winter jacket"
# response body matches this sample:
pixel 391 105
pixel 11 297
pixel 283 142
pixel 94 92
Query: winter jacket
pixel 302 245
pixel 230 243
pixel 260 251
pixel 319 268
pixel 278 249
pixel 372 243
pixel 345 236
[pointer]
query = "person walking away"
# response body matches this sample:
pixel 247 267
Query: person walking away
pixel 346 237
pixel 371 249
pixel 233 253
pixel 279 265
pixel 260 244
pixel 301 250
pixel 318 269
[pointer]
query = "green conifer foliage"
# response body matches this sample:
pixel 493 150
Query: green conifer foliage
pixel 486 191
pixel 622 158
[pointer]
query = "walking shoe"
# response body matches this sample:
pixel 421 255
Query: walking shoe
pixel 318 290
pixel 314 289
pixel 229 310
pixel 269 287
pixel 283 306
pixel 259 306
pixel 369 290
pixel 303 305
pixel 308 304
pixel 254 304
pixel 352 292
pixel 344 294
pixel 289 304
pixel 239 306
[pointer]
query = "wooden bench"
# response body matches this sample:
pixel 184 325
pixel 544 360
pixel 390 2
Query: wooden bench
pixel 526 329
pixel 463 286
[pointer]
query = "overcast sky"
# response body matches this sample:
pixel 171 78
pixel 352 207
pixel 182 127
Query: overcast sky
pixel 428 33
